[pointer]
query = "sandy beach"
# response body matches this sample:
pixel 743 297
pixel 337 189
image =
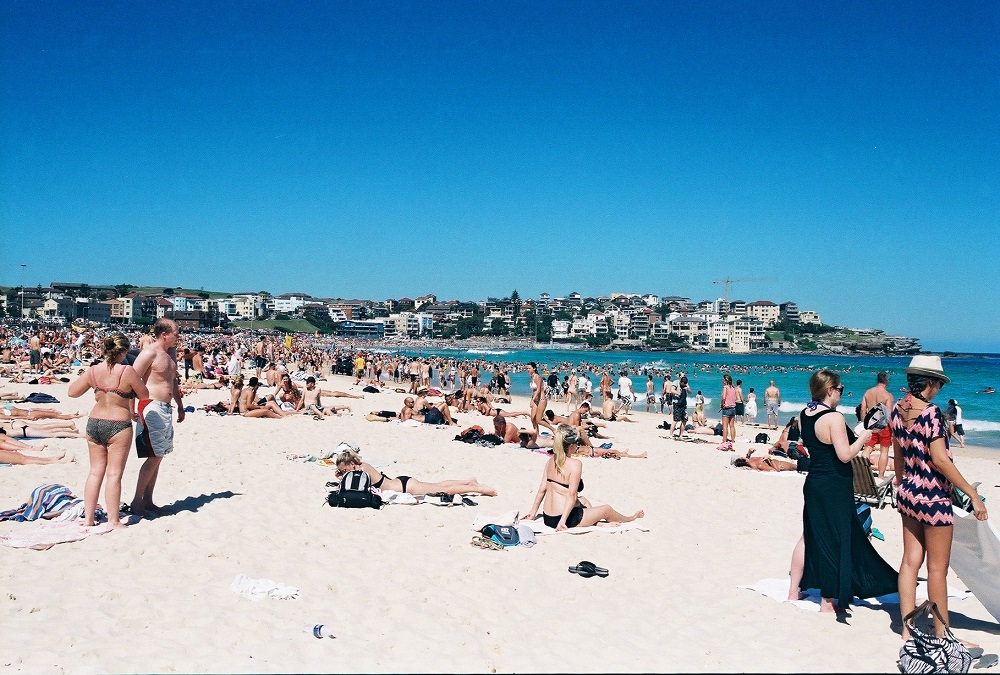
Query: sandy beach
pixel 403 590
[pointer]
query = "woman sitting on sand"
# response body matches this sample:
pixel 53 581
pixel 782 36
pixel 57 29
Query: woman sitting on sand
pixel 351 461
pixel 558 493
pixel 251 406
pixel 287 395
pixel 235 389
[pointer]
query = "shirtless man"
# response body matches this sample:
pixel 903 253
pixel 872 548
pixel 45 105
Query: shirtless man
pixel 311 402
pixel 510 433
pixel 154 434
pixel 880 439
pixel 35 353
pixel 431 414
pixel 772 400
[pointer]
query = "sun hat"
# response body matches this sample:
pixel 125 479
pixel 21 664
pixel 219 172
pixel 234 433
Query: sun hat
pixel 930 366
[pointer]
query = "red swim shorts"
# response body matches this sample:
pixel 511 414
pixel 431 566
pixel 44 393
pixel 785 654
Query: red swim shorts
pixel 882 437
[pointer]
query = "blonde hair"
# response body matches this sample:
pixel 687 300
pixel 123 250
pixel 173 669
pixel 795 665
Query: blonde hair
pixel 348 457
pixel 822 382
pixel 565 435
pixel 115 345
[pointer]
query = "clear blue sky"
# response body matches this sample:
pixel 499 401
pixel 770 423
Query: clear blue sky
pixel 849 150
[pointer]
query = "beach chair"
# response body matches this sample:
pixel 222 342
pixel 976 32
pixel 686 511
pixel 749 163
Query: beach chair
pixel 867 488
pixel 962 500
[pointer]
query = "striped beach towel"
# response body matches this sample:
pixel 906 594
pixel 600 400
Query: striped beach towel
pixel 46 501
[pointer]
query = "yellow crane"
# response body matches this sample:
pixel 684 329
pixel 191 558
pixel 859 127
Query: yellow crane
pixel 728 281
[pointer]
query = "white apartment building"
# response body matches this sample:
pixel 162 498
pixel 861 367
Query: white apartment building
pixel 745 334
pixel 560 329
pixel 810 317
pixel 413 324
pixel 719 334
pixel 289 303
pixel 765 310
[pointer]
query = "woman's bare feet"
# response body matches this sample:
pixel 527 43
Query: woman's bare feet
pixel 635 516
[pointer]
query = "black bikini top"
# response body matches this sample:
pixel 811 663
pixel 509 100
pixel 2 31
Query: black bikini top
pixel 566 485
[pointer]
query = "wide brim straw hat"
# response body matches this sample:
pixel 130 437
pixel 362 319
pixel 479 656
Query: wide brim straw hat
pixel 927 365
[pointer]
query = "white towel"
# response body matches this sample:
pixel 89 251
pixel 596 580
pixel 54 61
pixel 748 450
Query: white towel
pixel 777 589
pixel 541 529
pixel 256 589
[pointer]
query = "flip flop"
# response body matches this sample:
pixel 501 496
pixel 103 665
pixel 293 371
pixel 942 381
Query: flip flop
pixel 468 502
pixel 599 571
pixel 487 544
pixel 586 573
pixel 987 661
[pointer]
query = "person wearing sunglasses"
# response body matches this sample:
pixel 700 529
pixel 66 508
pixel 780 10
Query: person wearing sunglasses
pixel 834 554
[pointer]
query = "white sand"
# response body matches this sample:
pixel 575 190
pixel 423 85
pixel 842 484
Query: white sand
pixel 402 588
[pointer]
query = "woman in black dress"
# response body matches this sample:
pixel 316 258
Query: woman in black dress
pixel 837 556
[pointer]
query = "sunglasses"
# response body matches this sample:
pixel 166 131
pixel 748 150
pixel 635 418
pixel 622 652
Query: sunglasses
pixel 839 389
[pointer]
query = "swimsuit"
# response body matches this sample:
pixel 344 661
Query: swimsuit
pixel 100 430
pixel 402 479
pixel 575 514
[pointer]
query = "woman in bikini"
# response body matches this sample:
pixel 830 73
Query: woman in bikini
pixel 351 461
pixel 539 398
pixel 560 487
pixel 287 395
pixel 109 429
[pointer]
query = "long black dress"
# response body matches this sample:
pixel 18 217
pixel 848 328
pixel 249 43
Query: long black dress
pixel 840 560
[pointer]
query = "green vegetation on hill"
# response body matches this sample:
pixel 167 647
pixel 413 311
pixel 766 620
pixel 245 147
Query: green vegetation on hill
pixel 159 290
pixel 286 325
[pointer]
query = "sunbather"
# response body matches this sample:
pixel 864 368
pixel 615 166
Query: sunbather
pixel 558 493
pixel 52 429
pixel 769 463
pixel 36 413
pixel 18 458
pixel 351 461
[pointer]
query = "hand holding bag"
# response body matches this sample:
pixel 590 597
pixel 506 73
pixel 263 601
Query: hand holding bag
pixel 927 653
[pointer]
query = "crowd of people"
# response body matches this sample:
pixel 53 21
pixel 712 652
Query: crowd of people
pixel 138 382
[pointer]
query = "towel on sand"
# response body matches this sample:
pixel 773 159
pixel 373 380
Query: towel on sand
pixel 46 501
pixel 257 589
pixel 45 535
pixel 540 528
pixel 390 497
pixel 777 589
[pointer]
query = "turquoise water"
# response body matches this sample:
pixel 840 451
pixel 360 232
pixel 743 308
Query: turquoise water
pixel 969 375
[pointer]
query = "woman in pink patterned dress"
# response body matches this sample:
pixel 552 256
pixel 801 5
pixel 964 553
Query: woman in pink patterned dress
pixel 925 475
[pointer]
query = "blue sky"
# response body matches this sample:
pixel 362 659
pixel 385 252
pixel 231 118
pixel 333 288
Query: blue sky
pixel 848 151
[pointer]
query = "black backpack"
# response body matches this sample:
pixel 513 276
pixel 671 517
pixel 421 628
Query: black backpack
pixel 355 492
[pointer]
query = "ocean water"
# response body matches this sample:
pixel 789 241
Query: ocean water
pixel 970 375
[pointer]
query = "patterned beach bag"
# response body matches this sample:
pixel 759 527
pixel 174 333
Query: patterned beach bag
pixel 926 653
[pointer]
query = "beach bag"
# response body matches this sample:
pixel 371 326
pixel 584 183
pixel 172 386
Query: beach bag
pixel 355 492
pixel 506 535
pixel 926 653
pixel 470 435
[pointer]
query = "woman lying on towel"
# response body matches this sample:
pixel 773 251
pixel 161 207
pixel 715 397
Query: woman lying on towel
pixel 560 487
pixel 351 461
pixel 24 428
pixel 11 452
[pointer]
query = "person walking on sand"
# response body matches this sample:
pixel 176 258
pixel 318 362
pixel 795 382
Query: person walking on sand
pixel 772 401
pixel 109 428
pixel 154 433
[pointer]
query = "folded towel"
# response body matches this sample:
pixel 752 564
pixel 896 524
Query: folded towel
pixel 256 589
pixel 481 520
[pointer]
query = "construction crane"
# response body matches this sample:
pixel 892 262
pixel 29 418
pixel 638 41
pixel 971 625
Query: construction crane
pixel 728 281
